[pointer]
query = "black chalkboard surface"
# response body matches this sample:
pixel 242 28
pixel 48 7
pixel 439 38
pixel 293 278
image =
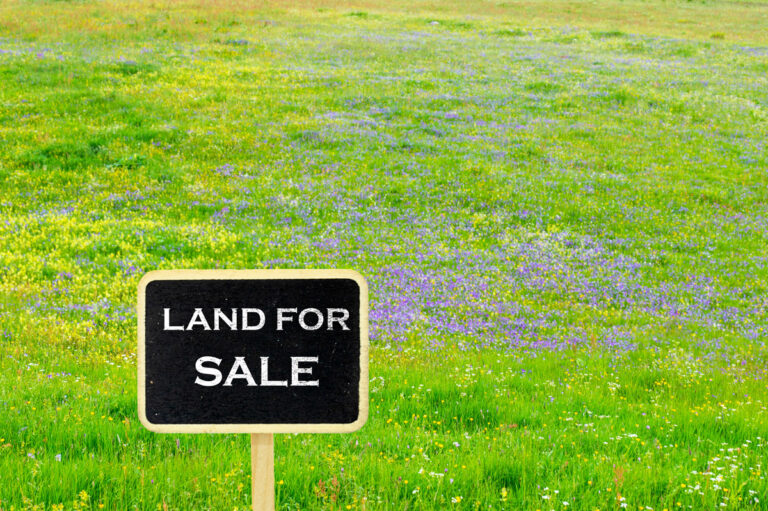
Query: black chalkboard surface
pixel 253 351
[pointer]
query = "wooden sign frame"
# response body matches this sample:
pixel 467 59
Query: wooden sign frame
pixel 363 402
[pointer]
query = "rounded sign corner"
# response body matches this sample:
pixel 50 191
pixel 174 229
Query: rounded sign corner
pixel 145 420
pixel 148 278
pixel 361 421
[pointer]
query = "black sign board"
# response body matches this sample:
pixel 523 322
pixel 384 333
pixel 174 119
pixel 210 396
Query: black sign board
pixel 253 351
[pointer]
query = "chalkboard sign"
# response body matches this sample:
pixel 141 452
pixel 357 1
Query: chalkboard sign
pixel 253 351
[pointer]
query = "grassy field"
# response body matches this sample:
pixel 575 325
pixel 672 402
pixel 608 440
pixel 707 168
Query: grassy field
pixel 561 209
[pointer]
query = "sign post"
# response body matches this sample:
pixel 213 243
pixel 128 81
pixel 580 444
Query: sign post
pixel 253 351
pixel 263 471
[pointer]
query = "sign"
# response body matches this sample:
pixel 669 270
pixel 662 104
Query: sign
pixel 253 351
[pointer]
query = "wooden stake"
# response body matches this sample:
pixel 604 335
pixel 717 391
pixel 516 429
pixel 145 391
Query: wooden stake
pixel 263 471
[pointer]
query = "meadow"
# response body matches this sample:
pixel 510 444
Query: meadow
pixel 561 209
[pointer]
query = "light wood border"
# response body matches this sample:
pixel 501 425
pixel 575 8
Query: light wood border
pixel 255 275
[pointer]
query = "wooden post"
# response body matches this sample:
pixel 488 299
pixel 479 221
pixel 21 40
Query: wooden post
pixel 263 471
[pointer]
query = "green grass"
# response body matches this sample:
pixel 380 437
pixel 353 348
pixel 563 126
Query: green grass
pixel 560 208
